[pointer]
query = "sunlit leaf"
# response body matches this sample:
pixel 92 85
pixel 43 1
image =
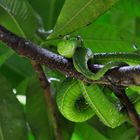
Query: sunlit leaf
pixel 23 15
pixel 108 38
pixel 131 7
pixel 76 14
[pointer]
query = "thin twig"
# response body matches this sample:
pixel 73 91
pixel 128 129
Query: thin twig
pixel 49 100
pixel 120 93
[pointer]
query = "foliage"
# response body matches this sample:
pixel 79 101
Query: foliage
pixel 114 27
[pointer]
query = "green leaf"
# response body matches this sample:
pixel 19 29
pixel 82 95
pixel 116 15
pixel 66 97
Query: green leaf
pixel 124 15
pixel 30 136
pixel 20 65
pixel 108 38
pixel 50 15
pixel 5 53
pixel 16 69
pixel 5 56
pixel 13 77
pixel 131 7
pixel 76 14
pixel 37 114
pixel 114 134
pixel 3 48
pixel 22 87
pixel 130 134
pixel 12 120
pixel 83 131
pixel 23 15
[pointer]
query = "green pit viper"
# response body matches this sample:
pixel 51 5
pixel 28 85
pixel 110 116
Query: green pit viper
pixel 78 101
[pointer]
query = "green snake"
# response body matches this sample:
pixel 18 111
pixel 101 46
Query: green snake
pixel 77 101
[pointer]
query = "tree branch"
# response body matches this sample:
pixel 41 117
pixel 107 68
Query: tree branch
pixel 120 93
pixel 123 76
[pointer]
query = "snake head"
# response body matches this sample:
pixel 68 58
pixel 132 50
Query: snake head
pixel 68 45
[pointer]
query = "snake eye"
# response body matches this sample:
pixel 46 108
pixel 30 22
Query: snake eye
pixel 66 37
pixel 79 41
pixel 78 38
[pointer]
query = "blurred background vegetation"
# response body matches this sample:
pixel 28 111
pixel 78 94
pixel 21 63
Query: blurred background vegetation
pixel 23 111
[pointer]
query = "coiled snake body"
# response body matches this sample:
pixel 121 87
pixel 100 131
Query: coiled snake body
pixel 77 101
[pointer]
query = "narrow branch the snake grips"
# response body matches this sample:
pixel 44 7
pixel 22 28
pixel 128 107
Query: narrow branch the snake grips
pixel 125 76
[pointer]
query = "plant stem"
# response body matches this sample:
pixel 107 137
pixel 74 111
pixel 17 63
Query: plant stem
pixel 120 93
pixel 49 100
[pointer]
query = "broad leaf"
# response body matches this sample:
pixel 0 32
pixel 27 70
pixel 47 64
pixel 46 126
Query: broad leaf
pixel 84 131
pixel 108 38
pixel 13 77
pixel 22 87
pixel 5 56
pixel 116 133
pixel 37 115
pixel 16 69
pixel 125 15
pixel 23 15
pixel 130 134
pixel 20 65
pixel 12 120
pixel 76 14
pixel 50 15
pixel 26 21
pixel 131 7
